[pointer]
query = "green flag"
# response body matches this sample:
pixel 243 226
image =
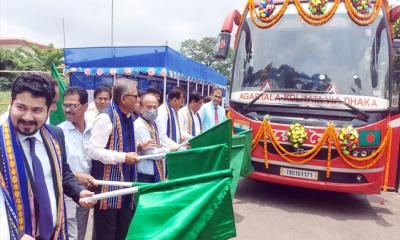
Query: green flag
pixel 237 139
pixel 197 161
pixel 219 134
pixel 196 207
pixel 58 116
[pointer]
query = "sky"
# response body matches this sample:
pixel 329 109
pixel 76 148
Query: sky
pixel 136 22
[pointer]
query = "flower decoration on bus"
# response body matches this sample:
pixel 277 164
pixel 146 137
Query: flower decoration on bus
pixel 362 6
pixel 317 7
pixel 297 134
pixel 348 139
pixel 266 8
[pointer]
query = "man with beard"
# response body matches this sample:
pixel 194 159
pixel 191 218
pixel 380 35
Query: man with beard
pixel 34 173
pixel 76 132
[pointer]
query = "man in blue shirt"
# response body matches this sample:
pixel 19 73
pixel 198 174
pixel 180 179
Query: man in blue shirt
pixel 212 113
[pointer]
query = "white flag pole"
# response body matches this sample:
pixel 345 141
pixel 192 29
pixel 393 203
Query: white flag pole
pixel 111 194
pixel 113 183
pixel 144 157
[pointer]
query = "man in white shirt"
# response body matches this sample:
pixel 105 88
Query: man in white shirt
pixel 212 113
pixel 76 132
pixel 168 121
pixel 35 160
pixel 189 118
pixel 148 141
pixel 102 98
pixel 112 150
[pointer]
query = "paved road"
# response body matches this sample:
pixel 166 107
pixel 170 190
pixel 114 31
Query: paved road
pixel 268 211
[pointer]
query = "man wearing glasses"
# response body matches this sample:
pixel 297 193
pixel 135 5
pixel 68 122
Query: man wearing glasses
pixel 112 150
pixel 76 132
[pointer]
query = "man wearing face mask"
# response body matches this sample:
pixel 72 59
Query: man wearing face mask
pixel 148 141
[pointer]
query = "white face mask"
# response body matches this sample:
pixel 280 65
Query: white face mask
pixel 150 114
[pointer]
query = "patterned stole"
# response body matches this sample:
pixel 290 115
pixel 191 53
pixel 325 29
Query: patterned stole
pixel 171 127
pixel 191 124
pixel 11 215
pixel 159 174
pixel 201 125
pixel 114 172
pixel 17 187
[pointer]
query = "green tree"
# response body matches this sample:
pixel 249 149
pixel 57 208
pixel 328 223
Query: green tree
pixel 203 51
pixel 31 59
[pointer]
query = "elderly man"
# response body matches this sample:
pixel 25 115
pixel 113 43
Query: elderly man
pixel 213 113
pixel 34 170
pixel 76 132
pixel 112 150
pixel 148 141
pixel 189 117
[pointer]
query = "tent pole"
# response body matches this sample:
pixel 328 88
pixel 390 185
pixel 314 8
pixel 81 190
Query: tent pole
pixel 165 88
pixel 177 82
pixel 208 89
pixel 187 91
pixel 202 89
pixel 196 86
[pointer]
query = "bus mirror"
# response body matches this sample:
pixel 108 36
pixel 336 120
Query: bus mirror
pixel 222 48
pixel 394 13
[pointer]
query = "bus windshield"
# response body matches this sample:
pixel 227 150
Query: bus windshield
pixel 339 57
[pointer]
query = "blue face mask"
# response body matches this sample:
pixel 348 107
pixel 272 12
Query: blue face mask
pixel 150 114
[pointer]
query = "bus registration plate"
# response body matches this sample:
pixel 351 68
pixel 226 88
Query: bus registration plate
pixel 297 173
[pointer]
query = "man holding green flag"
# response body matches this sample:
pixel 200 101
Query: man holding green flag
pixel 57 115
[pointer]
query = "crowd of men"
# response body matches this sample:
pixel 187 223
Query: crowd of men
pixel 46 171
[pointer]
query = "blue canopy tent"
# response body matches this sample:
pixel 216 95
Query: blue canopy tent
pixel 158 66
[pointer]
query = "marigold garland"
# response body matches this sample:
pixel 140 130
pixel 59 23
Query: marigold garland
pixel 360 19
pixel 269 21
pixel 327 138
pixel 316 19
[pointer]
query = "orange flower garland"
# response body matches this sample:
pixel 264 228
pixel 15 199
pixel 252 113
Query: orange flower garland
pixel 270 21
pixel 316 19
pixel 363 20
pixel 329 136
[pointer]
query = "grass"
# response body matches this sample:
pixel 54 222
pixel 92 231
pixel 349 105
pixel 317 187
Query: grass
pixel 4 100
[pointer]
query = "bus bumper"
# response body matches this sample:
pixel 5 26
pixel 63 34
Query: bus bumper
pixel 358 188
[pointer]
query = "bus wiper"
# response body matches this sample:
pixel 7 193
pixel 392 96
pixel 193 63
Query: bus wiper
pixel 364 116
pixel 267 89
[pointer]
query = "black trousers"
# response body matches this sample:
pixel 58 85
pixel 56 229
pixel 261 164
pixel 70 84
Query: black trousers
pixel 111 224
pixel 146 178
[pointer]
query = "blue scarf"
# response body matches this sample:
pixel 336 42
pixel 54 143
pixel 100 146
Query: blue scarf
pixel 171 127
pixel 16 186
pixel 119 141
